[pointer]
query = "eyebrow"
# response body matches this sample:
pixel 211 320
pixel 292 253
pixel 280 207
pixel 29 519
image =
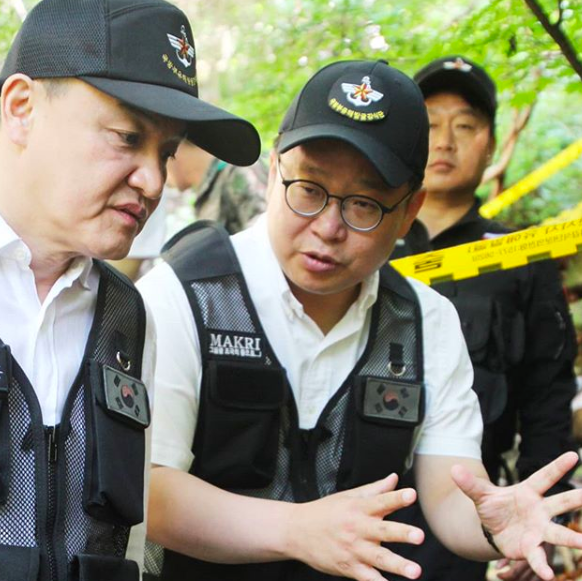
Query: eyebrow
pixel 460 111
pixel 364 181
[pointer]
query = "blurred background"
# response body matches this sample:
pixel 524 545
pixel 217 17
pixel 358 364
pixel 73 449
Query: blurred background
pixel 253 56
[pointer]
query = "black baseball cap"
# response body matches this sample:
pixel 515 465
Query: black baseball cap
pixel 370 105
pixel 457 73
pixel 138 51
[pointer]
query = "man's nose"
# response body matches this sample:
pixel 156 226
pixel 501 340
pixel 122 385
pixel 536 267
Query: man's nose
pixel 329 224
pixel 148 176
pixel 443 138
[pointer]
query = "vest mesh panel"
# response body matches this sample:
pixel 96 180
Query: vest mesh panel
pixel 330 450
pixel 395 325
pixel 18 515
pixel 222 305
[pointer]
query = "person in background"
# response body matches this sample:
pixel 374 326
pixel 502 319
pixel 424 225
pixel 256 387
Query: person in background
pixel 516 322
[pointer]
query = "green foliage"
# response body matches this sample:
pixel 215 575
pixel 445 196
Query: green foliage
pixel 9 23
pixel 278 45
pixel 254 56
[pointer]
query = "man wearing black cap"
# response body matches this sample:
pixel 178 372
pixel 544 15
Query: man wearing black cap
pixel 296 371
pixel 96 95
pixel 516 322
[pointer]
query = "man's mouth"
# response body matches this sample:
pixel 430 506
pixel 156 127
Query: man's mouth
pixel 441 164
pixel 135 211
pixel 318 262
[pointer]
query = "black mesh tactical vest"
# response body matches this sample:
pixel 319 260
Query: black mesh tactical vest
pixel 69 494
pixel 248 439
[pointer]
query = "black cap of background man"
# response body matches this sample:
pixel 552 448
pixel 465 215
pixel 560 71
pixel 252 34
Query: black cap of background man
pixel 370 105
pixel 138 51
pixel 459 74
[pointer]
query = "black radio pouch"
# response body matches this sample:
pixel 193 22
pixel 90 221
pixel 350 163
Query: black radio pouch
pixel 19 563
pixel 101 568
pixel 117 415
pixel 238 433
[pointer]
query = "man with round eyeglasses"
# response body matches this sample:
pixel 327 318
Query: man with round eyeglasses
pixel 298 375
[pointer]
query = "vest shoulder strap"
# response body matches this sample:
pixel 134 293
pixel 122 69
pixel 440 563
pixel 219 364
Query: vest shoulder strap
pixel 202 250
pixel 128 331
pixel 392 280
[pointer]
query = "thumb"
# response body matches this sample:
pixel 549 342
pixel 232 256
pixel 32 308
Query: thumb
pixel 387 484
pixel 472 486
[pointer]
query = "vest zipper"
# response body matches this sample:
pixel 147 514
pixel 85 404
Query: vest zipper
pixel 52 434
pixel 304 464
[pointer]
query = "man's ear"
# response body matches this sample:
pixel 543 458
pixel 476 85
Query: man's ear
pixel 412 209
pixel 16 103
pixel 491 149
pixel 272 178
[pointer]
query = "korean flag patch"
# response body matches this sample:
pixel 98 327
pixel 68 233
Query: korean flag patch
pixel 126 396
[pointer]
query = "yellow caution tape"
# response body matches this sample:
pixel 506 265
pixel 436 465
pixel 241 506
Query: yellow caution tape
pixel 501 253
pixel 532 181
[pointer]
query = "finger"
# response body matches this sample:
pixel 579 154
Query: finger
pixel 472 486
pixel 385 560
pixel 546 477
pixel 564 502
pixel 519 571
pixel 504 572
pixel 384 504
pixel 562 536
pixel 538 561
pixel 394 532
pixel 374 488
pixel 365 573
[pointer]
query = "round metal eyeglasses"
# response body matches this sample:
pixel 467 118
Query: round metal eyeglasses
pixel 360 213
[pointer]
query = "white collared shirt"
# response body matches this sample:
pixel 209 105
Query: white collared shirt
pixel 316 364
pixel 48 339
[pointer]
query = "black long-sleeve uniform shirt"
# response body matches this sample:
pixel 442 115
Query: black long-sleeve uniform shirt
pixel 521 342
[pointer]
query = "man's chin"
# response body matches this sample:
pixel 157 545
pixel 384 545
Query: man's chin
pixel 118 252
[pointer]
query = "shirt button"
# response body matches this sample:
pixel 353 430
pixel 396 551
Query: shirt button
pixel 20 254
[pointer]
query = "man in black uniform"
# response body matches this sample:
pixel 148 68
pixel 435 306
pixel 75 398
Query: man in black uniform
pixel 96 95
pixel 516 322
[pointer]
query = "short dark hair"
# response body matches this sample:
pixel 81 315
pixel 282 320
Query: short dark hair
pixel 56 87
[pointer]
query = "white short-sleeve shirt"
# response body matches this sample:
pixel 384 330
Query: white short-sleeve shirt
pixel 48 339
pixel 316 364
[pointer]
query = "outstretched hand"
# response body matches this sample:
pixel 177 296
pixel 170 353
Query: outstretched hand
pixel 519 516
pixel 341 533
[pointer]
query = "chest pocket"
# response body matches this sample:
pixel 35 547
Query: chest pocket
pixel 496 341
pixel 237 437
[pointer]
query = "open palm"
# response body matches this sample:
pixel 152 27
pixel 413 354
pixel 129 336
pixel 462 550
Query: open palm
pixel 520 517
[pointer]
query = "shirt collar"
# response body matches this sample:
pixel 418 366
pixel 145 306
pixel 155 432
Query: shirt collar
pixel 80 269
pixel 472 214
